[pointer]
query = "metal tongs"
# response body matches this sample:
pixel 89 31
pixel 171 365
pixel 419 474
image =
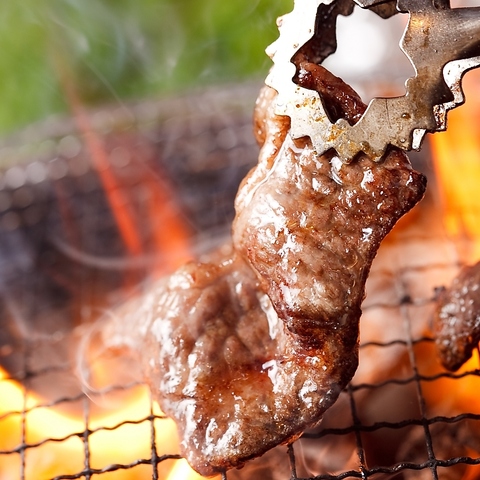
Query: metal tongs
pixel 441 43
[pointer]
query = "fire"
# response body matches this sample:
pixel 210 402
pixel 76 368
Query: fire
pixel 121 433
pixel 456 156
pixel 64 452
pixel 457 167
pixel 170 234
pixel 182 470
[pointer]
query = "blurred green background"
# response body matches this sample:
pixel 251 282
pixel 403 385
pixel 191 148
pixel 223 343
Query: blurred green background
pixel 121 50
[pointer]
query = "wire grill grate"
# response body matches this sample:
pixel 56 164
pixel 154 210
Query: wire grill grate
pixel 431 464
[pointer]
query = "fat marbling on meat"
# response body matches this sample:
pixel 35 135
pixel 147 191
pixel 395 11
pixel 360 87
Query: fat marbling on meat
pixel 247 349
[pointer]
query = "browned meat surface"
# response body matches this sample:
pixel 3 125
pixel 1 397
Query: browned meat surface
pixel 457 318
pixel 249 348
pixel 310 226
pixel 343 101
pixel 224 366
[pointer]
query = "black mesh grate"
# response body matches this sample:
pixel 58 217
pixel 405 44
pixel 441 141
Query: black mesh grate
pixel 431 464
pixel 390 426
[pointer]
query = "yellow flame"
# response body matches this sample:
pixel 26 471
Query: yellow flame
pixel 183 471
pixel 121 445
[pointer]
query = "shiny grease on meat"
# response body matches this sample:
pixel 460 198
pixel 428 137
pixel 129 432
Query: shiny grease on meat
pixel 224 366
pixel 456 321
pixel 249 348
pixel 310 225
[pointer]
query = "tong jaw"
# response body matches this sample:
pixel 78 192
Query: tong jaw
pixel 441 43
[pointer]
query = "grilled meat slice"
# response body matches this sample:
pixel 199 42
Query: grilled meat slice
pixel 249 348
pixel 457 318
pixel 224 366
pixel 310 225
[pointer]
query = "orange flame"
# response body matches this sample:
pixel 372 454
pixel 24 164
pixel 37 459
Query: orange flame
pixel 118 203
pixel 115 436
pixel 68 456
pixel 171 236
pixel 456 154
pixel 182 471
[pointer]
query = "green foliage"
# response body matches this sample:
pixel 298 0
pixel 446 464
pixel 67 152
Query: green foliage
pixel 125 49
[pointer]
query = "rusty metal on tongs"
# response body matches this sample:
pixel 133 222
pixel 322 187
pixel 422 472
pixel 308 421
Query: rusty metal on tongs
pixel 442 43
